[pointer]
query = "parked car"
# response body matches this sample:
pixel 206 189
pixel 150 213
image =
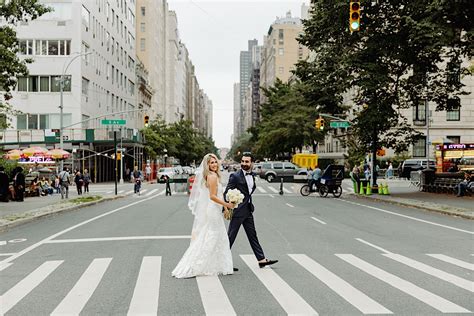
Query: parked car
pixel 272 170
pixel 415 164
pixel 165 172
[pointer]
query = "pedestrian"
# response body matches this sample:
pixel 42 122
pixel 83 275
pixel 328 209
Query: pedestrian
pixel 19 184
pixel 148 172
pixel 389 174
pixel 57 185
pixel 137 179
pixel 244 181
pixel 87 180
pixel 4 183
pixel 168 187
pixel 462 186
pixel 64 183
pixel 316 178
pixel 79 181
pixel 127 174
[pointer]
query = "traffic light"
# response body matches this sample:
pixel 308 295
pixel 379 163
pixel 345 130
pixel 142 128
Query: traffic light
pixel 317 123
pixel 146 118
pixel 354 15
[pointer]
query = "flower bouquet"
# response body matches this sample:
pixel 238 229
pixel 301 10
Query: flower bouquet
pixel 233 196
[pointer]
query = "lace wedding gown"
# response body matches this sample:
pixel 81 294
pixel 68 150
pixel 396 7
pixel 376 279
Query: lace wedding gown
pixel 209 250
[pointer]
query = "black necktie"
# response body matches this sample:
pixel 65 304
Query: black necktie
pixel 248 173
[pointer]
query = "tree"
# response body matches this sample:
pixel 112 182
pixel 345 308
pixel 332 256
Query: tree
pixel 406 52
pixel 155 138
pixel 11 66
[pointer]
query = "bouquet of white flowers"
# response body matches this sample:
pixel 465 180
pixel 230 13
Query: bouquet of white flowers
pixel 233 196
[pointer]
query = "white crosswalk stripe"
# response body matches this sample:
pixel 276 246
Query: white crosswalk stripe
pixel 352 295
pixel 77 298
pixel 409 288
pixel 147 289
pixel 151 192
pixel 3 266
pixel 455 280
pixel 286 190
pixel 457 262
pixel 213 296
pixel 273 189
pixel 289 300
pixel 261 190
pixel 25 286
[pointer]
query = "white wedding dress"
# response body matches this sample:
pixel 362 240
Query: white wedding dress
pixel 209 250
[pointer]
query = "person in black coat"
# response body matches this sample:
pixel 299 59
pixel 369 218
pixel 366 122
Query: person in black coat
pixel 19 184
pixel 3 185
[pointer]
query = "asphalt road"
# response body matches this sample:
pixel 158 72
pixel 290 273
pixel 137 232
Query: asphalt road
pixel 337 257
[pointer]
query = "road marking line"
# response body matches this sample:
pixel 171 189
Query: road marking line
pixel 7 254
pixel 62 241
pixel 352 295
pixel 108 192
pixel 3 266
pixel 407 287
pixel 25 286
pixel 289 205
pixel 372 245
pixel 128 192
pixel 261 190
pixel 410 217
pixel 448 277
pixel 151 192
pixel 318 220
pixel 272 196
pixel 273 189
pixel 286 190
pixel 147 289
pixel 289 300
pixel 121 191
pixel 82 291
pixel 143 191
pixel 457 262
pixel 45 240
pixel 213 296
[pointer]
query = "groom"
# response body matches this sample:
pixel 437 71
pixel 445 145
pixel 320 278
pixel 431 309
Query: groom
pixel 244 181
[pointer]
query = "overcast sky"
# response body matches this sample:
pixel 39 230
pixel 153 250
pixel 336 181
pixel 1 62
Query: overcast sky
pixel 215 32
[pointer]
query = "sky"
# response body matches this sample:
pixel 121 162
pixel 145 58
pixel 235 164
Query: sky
pixel 215 32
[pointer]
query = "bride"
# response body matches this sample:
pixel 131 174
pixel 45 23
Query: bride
pixel 209 250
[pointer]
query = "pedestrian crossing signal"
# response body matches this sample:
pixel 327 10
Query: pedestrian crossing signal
pixel 354 15
pixel 146 119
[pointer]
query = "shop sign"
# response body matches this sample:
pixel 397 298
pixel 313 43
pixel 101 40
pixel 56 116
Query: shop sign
pixel 36 159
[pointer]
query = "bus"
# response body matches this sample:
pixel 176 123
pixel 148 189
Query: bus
pixel 305 160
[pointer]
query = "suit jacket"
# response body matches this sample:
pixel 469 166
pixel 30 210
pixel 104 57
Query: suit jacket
pixel 237 181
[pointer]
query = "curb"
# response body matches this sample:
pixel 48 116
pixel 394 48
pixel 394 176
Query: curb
pixel 38 213
pixel 422 207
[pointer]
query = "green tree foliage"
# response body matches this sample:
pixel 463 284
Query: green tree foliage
pixel 287 121
pixel 407 51
pixel 243 144
pixel 11 66
pixel 181 140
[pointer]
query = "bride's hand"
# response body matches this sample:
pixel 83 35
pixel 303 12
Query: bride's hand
pixel 229 205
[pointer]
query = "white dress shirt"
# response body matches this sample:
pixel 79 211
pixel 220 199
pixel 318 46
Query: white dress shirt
pixel 249 179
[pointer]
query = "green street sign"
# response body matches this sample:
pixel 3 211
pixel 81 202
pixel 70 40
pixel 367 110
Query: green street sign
pixel 339 124
pixel 114 122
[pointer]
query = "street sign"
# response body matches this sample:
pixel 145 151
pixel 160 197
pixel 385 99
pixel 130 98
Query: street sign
pixel 339 124
pixel 114 122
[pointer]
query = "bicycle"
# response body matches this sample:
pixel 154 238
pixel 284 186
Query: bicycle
pixel 137 186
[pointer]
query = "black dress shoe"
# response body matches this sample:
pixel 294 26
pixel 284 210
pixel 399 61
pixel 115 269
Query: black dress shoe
pixel 267 263
pixel 235 269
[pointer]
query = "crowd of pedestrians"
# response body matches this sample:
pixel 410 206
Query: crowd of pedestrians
pixel 15 186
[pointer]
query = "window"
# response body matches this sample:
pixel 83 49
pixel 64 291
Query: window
pixel 454 139
pixel 280 51
pixel 281 70
pixel 113 70
pixel 85 86
pixel 32 121
pixel 85 17
pixel 143 11
pixel 44 83
pixel 33 84
pixel 55 82
pixel 53 47
pixel 23 84
pixel 280 37
pixel 289 166
pixel 142 27
pixel 21 121
pixel 453 73
pixel 454 110
pixel 142 44
pixel 419 113
pixel 278 165
pixel 44 121
pixel 419 147
pixel 131 85
pixel 85 50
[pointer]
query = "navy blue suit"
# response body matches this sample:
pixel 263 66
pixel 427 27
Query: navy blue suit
pixel 243 214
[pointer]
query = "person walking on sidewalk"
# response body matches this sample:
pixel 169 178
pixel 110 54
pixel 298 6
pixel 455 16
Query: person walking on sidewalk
pixel 3 185
pixel 87 180
pixel 19 184
pixel 64 183
pixel 79 181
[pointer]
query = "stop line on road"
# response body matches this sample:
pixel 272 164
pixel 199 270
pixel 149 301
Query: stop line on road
pixel 146 289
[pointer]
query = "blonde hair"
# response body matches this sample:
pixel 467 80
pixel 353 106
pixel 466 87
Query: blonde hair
pixel 207 158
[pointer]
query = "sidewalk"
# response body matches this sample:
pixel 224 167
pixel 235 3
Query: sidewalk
pixel 16 213
pixel 402 193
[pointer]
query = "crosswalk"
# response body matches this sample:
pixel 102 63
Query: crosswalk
pixel 213 292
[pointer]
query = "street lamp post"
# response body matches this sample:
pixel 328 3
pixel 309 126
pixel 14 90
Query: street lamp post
pixel 61 106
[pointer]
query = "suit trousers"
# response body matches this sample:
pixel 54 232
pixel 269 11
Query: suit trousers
pixel 249 226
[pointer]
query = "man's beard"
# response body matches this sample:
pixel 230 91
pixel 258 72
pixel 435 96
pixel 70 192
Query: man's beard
pixel 245 167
